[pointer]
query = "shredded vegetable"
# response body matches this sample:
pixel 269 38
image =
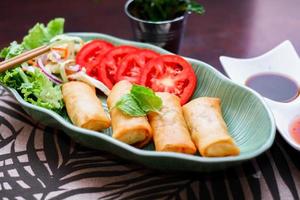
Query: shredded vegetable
pixel 32 82
pixel 60 52
pixel 73 43
pixel 62 69
pixel 82 76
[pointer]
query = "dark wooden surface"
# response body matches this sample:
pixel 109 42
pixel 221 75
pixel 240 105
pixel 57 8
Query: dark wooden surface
pixel 233 27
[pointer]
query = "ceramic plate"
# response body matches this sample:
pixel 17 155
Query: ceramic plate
pixel 249 121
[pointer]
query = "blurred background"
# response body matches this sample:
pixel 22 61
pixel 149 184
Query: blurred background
pixel 229 27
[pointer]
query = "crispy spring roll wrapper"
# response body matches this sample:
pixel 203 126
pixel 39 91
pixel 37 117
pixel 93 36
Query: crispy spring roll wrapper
pixel 83 106
pixel 170 132
pixel 128 129
pixel 208 128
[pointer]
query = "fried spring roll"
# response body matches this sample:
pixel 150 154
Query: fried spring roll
pixel 83 106
pixel 128 129
pixel 170 132
pixel 209 131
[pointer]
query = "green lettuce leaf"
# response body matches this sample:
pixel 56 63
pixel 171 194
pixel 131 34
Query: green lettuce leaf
pixel 36 37
pixel 13 78
pixel 55 27
pixel 40 34
pixel 40 91
pixel 34 87
pixel 13 50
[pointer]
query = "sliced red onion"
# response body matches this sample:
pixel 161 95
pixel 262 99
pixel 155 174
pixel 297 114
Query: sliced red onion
pixel 56 55
pixel 75 68
pixel 49 75
pixel 44 58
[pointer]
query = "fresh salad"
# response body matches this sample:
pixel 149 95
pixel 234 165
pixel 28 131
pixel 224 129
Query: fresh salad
pixel 29 79
pixel 39 80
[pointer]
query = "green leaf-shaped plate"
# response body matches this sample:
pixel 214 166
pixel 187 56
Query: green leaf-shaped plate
pixel 249 120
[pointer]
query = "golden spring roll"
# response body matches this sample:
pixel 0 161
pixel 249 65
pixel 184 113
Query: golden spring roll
pixel 170 132
pixel 209 131
pixel 128 129
pixel 83 106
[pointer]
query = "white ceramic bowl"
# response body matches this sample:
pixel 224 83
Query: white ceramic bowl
pixel 281 59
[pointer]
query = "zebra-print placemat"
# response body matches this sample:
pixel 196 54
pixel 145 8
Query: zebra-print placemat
pixel 38 162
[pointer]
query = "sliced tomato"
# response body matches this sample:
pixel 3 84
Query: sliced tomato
pixel 111 62
pixel 170 73
pixel 91 53
pixel 133 64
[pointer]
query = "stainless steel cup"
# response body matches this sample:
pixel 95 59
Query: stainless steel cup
pixel 165 34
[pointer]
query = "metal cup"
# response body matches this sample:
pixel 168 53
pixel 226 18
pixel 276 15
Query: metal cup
pixel 165 34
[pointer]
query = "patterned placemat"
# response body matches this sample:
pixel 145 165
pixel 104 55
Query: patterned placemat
pixel 38 162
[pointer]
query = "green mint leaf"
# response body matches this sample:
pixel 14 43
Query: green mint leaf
pixel 160 10
pixel 140 101
pixel 146 98
pixel 195 7
pixel 129 106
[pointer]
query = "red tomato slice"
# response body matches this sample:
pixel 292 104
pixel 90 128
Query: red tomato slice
pixel 111 62
pixel 133 64
pixel 170 73
pixel 90 54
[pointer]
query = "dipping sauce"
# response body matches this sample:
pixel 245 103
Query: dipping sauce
pixel 294 129
pixel 275 86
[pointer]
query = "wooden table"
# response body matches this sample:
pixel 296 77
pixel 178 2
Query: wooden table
pixel 40 162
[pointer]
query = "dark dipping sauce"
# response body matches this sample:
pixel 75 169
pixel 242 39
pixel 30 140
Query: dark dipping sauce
pixel 274 86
